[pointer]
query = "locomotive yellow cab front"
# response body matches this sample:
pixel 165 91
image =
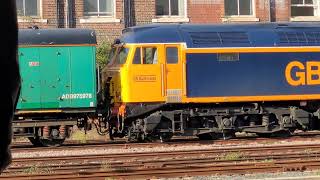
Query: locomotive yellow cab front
pixel 146 73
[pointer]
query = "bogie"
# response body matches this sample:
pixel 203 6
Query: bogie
pixel 217 122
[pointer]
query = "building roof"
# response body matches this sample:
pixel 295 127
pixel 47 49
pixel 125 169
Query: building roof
pixel 56 36
pixel 226 35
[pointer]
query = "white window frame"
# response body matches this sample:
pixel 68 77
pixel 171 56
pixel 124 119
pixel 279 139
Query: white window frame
pixel 98 4
pixel 242 18
pixel 39 2
pixel 101 18
pixel 253 8
pixel 172 18
pixel 315 5
pixel 33 19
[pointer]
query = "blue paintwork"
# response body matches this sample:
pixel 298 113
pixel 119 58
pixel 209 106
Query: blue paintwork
pixel 255 74
pixel 259 35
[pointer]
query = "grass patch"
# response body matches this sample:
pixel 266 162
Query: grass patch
pixel 105 166
pixel 308 151
pixel 79 136
pixel 268 161
pixel 232 156
pixel 267 142
pixel 83 137
pixel 37 170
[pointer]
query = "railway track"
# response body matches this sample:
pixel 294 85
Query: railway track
pixel 171 164
pixel 73 145
pixel 178 171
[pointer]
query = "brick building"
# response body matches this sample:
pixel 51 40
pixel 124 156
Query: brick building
pixel 109 17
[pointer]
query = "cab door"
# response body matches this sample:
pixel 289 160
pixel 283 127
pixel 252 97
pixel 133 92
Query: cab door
pixel 147 73
pixel 173 73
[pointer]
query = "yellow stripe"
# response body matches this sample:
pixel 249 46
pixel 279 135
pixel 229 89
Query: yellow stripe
pixel 252 98
pixel 253 49
pixel 38 111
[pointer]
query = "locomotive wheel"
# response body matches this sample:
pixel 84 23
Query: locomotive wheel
pixel 284 133
pixel 206 136
pixel 132 137
pixel 165 137
pixel 264 135
pixel 226 135
pixel 36 141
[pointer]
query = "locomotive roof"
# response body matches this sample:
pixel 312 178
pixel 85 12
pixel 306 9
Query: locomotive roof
pixel 56 36
pixel 226 35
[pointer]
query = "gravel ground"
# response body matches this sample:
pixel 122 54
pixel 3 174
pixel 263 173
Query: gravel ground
pixel 310 175
pixel 124 149
pixel 265 176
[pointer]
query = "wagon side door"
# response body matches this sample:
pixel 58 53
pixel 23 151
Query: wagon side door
pixel 49 77
pixel 29 63
pixel 64 79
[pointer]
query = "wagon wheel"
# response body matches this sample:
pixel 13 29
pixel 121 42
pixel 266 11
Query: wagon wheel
pixel 51 142
pixel 36 141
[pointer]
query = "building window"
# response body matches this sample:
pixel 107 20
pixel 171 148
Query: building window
pixel 98 7
pixel 28 7
pixel 170 7
pixel 304 8
pixel 238 7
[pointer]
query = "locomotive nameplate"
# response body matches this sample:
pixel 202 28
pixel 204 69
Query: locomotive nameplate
pixel 145 78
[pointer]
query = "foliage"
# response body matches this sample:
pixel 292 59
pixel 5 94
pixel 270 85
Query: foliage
pixel 34 169
pixel 105 166
pixel 232 156
pixel 102 55
pixel 79 136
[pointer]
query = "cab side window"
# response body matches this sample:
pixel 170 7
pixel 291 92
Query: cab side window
pixel 137 56
pixel 145 55
pixel 172 55
pixel 150 55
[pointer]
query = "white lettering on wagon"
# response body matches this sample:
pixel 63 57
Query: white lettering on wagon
pixel 34 63
pixel 77 96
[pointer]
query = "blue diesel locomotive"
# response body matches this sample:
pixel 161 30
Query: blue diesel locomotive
pixel 214 80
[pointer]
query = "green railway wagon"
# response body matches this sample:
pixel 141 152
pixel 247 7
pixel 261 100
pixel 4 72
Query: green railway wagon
pixel 59 82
